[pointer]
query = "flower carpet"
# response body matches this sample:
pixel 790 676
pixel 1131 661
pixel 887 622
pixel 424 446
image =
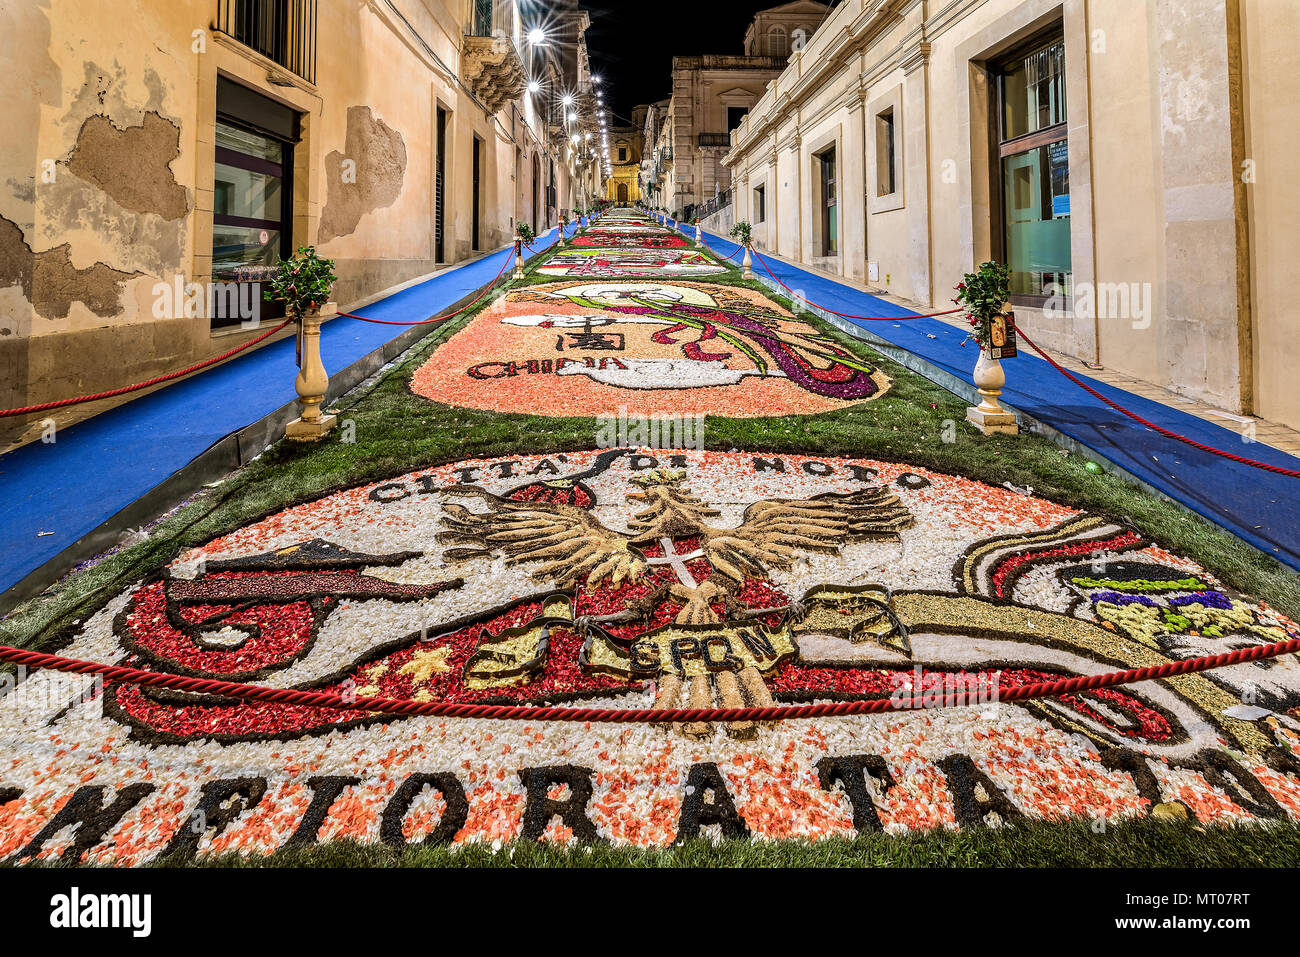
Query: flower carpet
pixel 630 575
pixel 637 326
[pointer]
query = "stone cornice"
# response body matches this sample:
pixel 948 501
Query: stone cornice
pixel 849 41
pixel 915 58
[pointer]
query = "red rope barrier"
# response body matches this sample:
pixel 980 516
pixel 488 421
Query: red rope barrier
pixel 451 315
pixel 845 315
pixel 434 709
pixel 158 380
pixel 1277 469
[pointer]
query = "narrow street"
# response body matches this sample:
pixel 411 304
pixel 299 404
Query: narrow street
pixel 634 480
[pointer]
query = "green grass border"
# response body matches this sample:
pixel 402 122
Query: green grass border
pixel 1130 844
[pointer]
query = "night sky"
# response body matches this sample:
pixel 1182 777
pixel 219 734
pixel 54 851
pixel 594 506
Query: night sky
pixel 632 44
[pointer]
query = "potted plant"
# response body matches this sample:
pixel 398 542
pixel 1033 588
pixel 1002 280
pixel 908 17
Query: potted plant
pixel 743 232
pixel 304 283
pixel 984 294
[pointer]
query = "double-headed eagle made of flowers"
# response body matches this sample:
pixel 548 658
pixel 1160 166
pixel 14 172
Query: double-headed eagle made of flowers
pixel 674 529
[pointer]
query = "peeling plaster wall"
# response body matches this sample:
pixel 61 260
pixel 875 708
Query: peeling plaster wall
pixel 380 113
pixel 367 176
pixel 133 165
pixel 106 174
pixel 97 188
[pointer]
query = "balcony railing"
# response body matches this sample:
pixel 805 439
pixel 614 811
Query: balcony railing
pixel 721 201
pixel 492 18
pixel 491 61
pixel 280 30
pixel 715 139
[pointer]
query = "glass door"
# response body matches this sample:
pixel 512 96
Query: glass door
pixel 1035 171
pixel 830 204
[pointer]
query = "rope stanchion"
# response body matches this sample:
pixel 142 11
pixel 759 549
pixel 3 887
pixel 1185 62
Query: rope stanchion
pixel 845 315
pixel 451 315
pixel 158 380
pixel 1240 459
pixel 434 709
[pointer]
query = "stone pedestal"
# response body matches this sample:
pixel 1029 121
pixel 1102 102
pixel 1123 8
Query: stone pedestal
pixel 312 384
pixel 747 263
pixel 519 259
pixel 989 416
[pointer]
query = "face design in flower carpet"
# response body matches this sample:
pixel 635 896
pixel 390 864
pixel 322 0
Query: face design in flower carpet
pixel 1184 616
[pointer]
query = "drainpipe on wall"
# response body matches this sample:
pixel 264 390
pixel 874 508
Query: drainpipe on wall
pixel 799 204
pixel 1092 180
pixel 929 188
pixel 775 217
pixel 866 183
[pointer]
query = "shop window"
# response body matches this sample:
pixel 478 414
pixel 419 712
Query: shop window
pixel 252 191
pixel 1035 170
pixel 825 162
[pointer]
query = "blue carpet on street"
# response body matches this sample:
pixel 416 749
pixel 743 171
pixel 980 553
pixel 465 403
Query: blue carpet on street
pixel 54 494
pixel 1259 506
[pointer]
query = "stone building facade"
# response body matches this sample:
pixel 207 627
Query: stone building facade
pixel 1129 158
pixel 656 153
pixel 710 95
pixel 625 151
pixel 198 141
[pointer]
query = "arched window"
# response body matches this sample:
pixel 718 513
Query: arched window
pixel 776 42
